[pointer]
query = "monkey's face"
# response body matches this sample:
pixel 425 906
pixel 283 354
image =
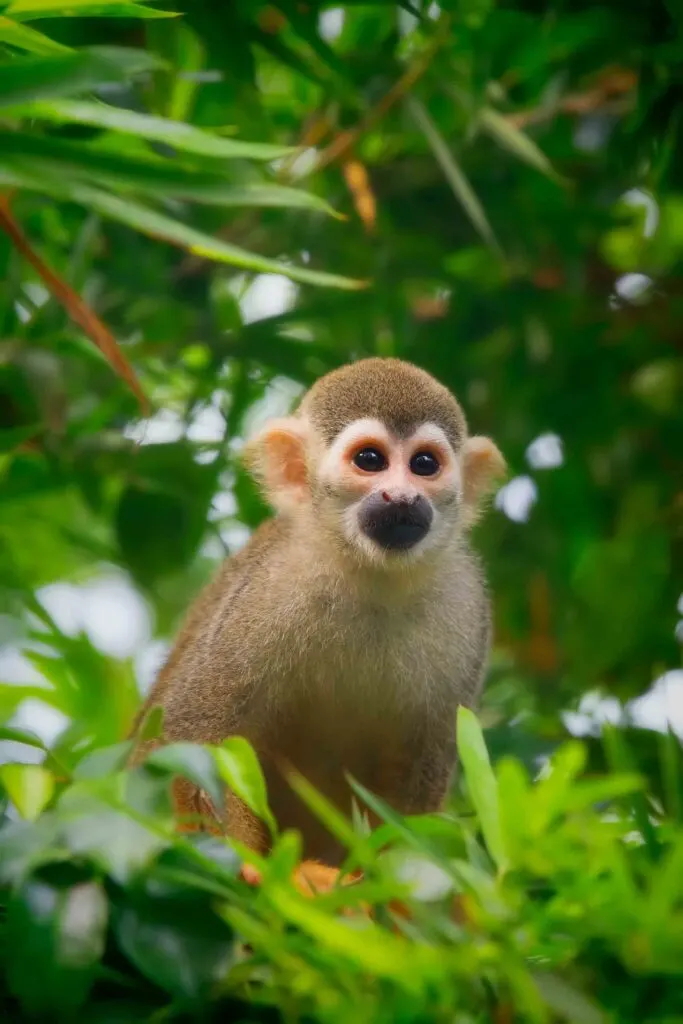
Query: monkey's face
pixel 393 498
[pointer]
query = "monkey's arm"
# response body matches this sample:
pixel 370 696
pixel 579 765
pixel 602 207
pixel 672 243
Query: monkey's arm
pixel 206 687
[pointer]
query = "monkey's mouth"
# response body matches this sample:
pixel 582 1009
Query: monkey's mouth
pixel 396 525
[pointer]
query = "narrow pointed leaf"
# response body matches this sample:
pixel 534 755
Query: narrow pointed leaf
pixel 516 142
pixel 455 177
pixel 30 39
pixel 27 10
pixel 158 129
pixel 481 783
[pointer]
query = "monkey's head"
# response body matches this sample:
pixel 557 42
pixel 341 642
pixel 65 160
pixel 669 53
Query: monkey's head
pixel 379 451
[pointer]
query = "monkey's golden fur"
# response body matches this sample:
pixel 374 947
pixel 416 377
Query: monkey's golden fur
pixel 322 659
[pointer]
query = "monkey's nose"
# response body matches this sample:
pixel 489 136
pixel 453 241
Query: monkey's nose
pixel 396 523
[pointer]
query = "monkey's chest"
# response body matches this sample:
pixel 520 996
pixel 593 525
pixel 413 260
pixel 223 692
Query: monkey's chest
pixel 356 694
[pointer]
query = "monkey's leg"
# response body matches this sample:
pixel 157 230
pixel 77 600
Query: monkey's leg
pixel 236 822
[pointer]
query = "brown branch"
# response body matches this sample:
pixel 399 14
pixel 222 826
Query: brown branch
pixel 78 310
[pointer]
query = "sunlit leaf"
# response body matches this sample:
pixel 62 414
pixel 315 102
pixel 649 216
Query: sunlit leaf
pixel 240 770
pixel 26 10
pixel 30 787
pixel 481 783
pixel 29 39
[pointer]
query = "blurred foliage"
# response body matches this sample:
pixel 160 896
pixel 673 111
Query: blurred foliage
pixel 491 189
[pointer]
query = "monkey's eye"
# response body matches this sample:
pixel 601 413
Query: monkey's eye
pixel 424 464
pixel 370 460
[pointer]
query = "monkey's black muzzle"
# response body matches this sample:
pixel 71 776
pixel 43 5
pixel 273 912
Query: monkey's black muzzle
pixel 395 525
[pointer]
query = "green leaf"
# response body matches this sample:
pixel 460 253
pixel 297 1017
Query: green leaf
pixel 24 38
pixel 566 1000
pixel 12 437
pixel 158 532
pixel 192 762
pixel 152 725
pixel 481 783
pixel 517 143
pixel 453 173
pixel 373 950
pixel 103 762
pixel 179 944
pixel 29 786
pixel 150 222
pixel 239 768
pixel 14 735
pixel 26 10
pixel 111 838
pixel 30 78
pixel 336 823
pixel 181 136
pixel 157 177
pixel 61 929
pixel 26 844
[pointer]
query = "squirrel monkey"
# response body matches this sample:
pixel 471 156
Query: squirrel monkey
pixel 345 634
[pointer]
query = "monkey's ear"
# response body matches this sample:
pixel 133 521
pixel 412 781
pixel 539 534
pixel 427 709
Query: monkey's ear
pixel 482 466
pixel 277 458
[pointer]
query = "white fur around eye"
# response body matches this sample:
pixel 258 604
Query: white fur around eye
pixel 429 433
pixel 358 430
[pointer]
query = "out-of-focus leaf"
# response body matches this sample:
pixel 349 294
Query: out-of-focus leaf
pixel 158 532
pixel 182 136
pixel 379 951
pixel 153 724
pixel 26 10
pixel 33 78
pixel 12 438
pixel 150 222
pixel 29 39
pixel 77 309
pixel 191 762
pixel 481 784
pixel 55 938
pixel 514 140
pixel 240 770
pixel 14 735
pixel 26 844
pixel 202 945
pixel 114 840
pixel 30 787
pixel 453 173
pixel 103 762
pixel 335 822
pixel 566 1001
pixel 46 156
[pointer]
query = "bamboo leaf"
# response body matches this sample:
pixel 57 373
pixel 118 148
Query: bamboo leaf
pixel 158 129
pixel 455 177
pixel 100 165
pixel 30 78
pixel 30 39
pixel 481 783
pixel 27 10
pixel 517 143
